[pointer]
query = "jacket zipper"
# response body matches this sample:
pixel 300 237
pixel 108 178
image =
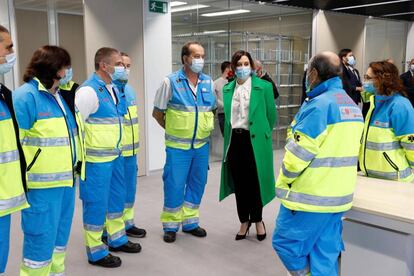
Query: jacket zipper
pixel 392 164
pixel 366 138
pixel 132 126
pixel 70 139
pixel 34 159
pixel 117 112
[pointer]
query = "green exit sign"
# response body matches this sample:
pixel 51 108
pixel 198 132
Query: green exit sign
pixel 158 6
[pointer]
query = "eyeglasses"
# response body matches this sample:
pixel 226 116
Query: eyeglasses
pixel 366 77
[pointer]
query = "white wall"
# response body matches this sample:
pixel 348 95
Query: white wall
pixel 146 37
pixel 109 23
pixel 157 65
pixel 335 31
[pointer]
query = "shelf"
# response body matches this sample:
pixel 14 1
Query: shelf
pixel 288 106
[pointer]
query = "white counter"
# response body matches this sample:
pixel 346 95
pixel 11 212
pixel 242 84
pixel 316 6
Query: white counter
pixel 379 229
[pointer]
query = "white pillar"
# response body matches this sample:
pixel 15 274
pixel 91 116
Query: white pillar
pixel 52 22
pixel 409 52
pixel 128 26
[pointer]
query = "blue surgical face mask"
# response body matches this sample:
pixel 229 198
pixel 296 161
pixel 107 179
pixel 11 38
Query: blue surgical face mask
pixel 197 65
pixel 243 72
pixel 8 65
pixel 369 87
pixel 351 61
pixel 119 72
pixel 67 78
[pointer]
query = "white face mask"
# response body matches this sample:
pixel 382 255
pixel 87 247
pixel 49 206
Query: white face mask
pixel 8 65
pixel 197 65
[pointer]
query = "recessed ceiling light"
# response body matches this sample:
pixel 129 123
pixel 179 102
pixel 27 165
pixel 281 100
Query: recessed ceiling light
pixel 370 5
pixel 188 8
pixel 395 14
pixel 231 12
pixel 177 3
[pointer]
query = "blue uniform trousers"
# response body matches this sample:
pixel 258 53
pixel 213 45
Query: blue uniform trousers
pixel 46 227
pixel 131 173
pixel 308 242
pixel 4 241
pixel 103 197
pixel 185 177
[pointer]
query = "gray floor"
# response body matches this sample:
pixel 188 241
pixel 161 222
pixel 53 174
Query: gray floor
pixel 218 254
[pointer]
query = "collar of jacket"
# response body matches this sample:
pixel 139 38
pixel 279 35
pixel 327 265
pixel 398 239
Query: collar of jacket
pixel 332 83
pixel 183 76
pixel 120 85
pixel 36 82
pixel 97 78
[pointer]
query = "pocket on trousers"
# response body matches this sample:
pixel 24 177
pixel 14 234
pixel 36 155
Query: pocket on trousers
pixel 91 191
pixel 35 220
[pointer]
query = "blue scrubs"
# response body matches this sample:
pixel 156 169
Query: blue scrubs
pixel 309 242
pixel 4 241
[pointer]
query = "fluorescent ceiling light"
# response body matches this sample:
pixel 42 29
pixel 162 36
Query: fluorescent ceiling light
pixel 395 14
pixel 177 3
pixel 370 5
pixel 214 32
pixel 188 8
pixel 231 12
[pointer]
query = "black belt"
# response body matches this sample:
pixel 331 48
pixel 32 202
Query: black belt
pixel 240 130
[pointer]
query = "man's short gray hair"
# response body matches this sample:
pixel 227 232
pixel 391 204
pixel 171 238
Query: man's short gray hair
pixel 326 65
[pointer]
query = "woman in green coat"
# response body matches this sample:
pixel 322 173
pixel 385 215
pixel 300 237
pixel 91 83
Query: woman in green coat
pixel 247 168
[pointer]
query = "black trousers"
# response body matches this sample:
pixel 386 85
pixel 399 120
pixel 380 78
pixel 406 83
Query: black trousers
pixel 244 173
pixel 221 122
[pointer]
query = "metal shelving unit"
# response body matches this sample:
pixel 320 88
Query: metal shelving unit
pixel 283 57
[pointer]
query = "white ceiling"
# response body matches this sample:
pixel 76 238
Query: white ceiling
pixel 182 18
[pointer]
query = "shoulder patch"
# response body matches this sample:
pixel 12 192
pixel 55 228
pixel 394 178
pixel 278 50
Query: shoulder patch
pixel 350 112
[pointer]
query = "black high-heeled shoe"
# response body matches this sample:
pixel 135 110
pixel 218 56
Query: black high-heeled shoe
pixel 243 236
pixel 261 237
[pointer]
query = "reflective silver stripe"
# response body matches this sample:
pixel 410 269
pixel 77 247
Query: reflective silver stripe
pixel 93 250
pixel 171 224
pixel 383 146
pixel 49 177
pixel 190 221
pixel 129 222
pixel 131 122
pixel 104 121
pixel 302 272
pixel 299 152
pixel 117 235
pixel 191 205
pixel 9 156
pixel 128 205
pixel 407 146
pixel 92 228
pixel 130 146
pixel 189 108
pixel 114 215
pixel 57 274
pixel 12 202
pixel 390 175
pixel 289 174
pixel 102 153
pixel 313 199
pixel 172 210
pixel 185 140
pixel 46 142
pixel 34 264
pixel 59 249
pixel 334 162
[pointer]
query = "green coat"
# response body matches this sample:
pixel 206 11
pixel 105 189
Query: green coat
pixel 262 117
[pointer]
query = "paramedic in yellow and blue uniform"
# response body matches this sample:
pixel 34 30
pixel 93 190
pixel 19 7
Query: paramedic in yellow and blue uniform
pixel 387 149
pixel 318 175
pixel 52 146
pixel 184 106
pixel 130 147
pixel 12 163
pixel 103 191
